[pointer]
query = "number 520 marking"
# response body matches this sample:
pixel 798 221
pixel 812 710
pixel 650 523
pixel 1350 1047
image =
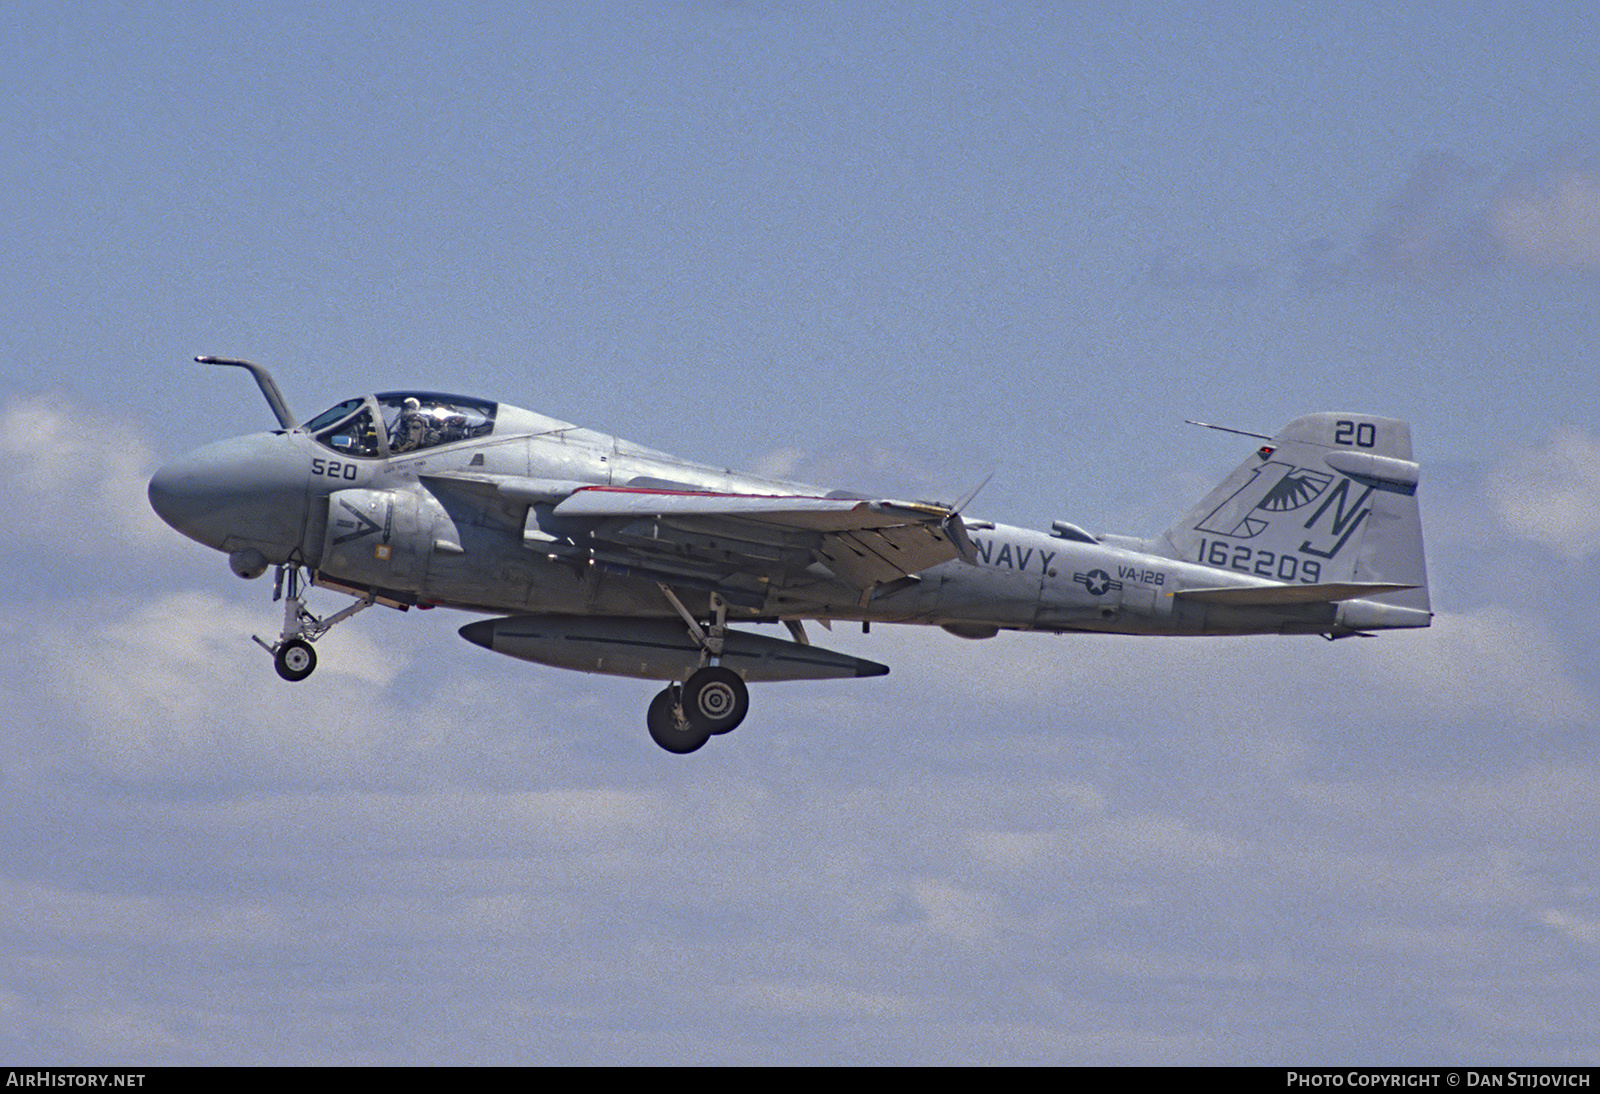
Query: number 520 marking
pixel 334 469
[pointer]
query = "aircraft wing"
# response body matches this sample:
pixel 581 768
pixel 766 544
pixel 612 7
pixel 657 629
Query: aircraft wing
pixel 798 547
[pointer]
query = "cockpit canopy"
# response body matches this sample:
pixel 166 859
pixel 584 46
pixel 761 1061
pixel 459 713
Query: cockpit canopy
pixel 398 422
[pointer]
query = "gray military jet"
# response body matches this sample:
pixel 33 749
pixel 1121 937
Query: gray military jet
pixel 587 552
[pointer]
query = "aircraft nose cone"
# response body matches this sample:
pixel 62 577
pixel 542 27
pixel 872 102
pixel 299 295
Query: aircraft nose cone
pixel 172 495
pixel 244 492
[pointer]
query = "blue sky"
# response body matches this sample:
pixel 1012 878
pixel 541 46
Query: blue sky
pixel 894 249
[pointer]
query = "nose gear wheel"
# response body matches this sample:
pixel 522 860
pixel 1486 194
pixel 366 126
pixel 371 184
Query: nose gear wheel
pixel 295 659
pixel 292 654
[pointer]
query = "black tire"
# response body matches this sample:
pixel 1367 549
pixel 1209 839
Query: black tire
pixel 295 659
pixel 715 699
pixel 665 729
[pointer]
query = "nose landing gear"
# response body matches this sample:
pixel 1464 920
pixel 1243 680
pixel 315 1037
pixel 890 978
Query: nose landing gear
pixel 295 659
pixel 292 654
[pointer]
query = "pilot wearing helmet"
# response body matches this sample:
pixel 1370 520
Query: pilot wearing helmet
pixel 411 430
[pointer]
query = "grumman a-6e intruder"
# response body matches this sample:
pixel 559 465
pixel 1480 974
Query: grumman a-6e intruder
pixel 587 552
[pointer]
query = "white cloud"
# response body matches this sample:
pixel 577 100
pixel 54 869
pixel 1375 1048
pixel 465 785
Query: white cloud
pixel 957 913
pixel 79 475
pixel 1578 928
pixel 864 466
pixel 1495 666
pixel 1136 844
pixel 872 910
pixel 1000 838
pixel 1551 495
pixel 172 688
pixel 31 908
pixel 1536 803
pixel 1556 223
pixel 780 463
pixel 817 1000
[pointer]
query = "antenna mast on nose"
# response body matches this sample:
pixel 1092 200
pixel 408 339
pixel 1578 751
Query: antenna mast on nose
pixel 263 380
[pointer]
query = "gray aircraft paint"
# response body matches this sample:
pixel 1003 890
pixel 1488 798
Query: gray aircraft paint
pixel 1316 532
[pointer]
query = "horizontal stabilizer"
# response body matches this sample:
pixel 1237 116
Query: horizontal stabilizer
pixel 1268 595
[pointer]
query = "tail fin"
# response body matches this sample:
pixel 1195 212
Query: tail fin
pixel 1331 499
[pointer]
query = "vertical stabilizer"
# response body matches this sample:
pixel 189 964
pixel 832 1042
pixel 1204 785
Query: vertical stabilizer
pixel 1331 499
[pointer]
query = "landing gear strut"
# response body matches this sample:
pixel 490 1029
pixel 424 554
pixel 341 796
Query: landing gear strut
pixel 712 701
pixel 292 654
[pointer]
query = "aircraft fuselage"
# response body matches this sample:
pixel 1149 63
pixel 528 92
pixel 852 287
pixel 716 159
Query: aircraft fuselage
pixel 605 556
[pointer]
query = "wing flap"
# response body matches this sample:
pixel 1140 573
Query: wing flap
pixel 786 542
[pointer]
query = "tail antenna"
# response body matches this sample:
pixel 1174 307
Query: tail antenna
pixel 1226 429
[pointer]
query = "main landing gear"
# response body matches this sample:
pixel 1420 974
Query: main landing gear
pixel 292 654
pixel 684 717
pixel 712 701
